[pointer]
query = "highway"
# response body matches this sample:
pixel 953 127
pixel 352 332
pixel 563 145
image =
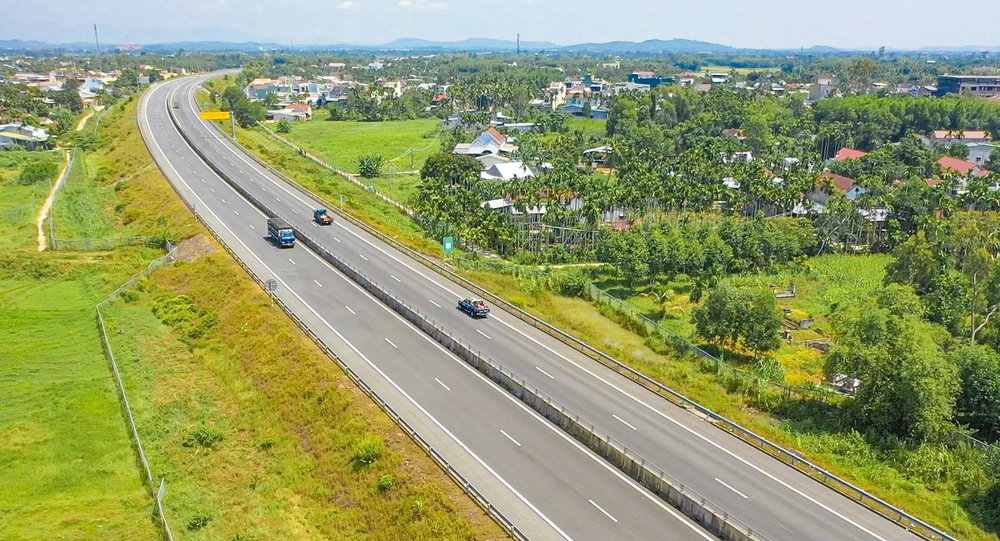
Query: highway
pixel 540 478
pixel 772 498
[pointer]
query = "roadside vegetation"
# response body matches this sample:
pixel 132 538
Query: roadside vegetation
pixel 895 285
pixel 257 433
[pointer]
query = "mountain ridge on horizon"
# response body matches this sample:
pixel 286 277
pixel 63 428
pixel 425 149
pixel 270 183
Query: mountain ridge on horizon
pixel 651 46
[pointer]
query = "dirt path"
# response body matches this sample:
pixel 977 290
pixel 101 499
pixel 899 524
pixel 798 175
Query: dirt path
pixel 47 205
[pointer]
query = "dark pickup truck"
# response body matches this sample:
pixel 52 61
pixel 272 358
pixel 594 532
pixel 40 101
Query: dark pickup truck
pixel 474 307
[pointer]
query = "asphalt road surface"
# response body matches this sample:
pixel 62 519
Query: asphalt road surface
pixel 549 481
pixel 540 478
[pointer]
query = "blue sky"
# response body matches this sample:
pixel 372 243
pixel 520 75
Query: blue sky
pixel 864 24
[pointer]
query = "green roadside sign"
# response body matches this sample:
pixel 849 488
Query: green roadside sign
pixel 448 244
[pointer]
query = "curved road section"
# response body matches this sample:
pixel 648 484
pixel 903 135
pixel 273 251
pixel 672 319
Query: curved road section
pixel 772 498
pixel 550 486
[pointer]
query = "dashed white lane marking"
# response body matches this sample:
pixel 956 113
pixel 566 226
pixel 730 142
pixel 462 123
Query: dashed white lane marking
pixel 624 422
pixel 544 372
pixel 602 510
pixel 317 283
pixel 510 438
pixel 349 310
pixel 396 279
pixel 484 334
pixel 290 259
pixel 391 344
pixel 442 384
pixel 363 257
pixel 435 304
pixel 723 483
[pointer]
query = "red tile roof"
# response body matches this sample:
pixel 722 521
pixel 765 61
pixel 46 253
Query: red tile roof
pixel 501 138
pixel 304 107
pixel 842 183
pixel 962 167
pixel 849 154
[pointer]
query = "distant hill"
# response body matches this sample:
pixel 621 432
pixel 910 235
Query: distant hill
pixel 652 46
pixel 22 45
pixel 965 49
pixel 473 44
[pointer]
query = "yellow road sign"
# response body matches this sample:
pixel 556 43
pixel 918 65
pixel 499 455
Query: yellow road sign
pixel 215 115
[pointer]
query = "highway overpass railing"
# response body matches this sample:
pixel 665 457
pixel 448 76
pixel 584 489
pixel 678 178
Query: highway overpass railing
pixel 470 489
pixel 876 504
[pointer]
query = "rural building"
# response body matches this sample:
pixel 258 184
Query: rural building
pixel 986 86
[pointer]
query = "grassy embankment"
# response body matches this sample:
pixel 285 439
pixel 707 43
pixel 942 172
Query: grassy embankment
pixel 69 469
pixel 902 476
pixel 258 434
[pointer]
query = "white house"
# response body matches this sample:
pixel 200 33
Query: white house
pixel 507 171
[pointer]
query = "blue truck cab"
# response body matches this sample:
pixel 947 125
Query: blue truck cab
pixel 280 232
pixel 474 307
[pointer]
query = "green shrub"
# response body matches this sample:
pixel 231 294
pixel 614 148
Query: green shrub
pixel 370 166
pixel 198 521
pixel 385 482
pixel 204 438
pixel 368 451
pixel 35 172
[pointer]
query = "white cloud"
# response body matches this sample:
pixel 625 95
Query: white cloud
pixel 347 5
pixel 421 5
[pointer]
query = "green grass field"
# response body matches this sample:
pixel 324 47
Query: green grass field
pixel 591 127
pixel 81 208
pixel 405 145
pixel 69 469
pixel 20 204
pixel 289 423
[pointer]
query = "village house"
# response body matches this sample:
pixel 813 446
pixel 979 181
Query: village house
pixel 18 134
pixel 489 142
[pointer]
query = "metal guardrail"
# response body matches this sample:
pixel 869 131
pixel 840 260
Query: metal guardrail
pixel 438 459
pixel 877 505
pixel 157 494
pixel 696 506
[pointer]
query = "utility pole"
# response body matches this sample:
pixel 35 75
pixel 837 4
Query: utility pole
pixel 97 41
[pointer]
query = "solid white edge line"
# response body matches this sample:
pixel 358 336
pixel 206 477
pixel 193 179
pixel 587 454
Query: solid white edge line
pixel 518 403
pixel 640 401
pixel 602 510
pixel 510 438
pixel 356 350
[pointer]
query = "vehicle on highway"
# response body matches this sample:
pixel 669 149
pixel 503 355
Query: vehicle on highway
pixel 322 217
pixel 474 307
pixel 281 233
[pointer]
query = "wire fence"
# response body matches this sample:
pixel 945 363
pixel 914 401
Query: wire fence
pixel 470 489
pixel 791 458
pixel 158 493
pixel 88 245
